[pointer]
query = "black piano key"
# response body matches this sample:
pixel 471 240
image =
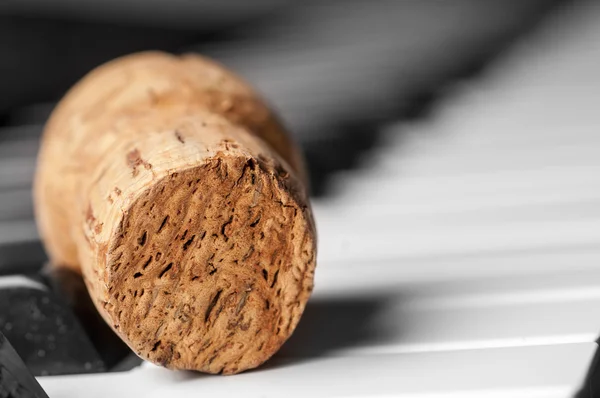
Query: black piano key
pixel 69 285
pixel 591 384
pixel 21 257
pixel 16 381
pixel 43 330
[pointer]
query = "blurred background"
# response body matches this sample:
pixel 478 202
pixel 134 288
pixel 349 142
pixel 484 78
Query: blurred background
pixel 453 150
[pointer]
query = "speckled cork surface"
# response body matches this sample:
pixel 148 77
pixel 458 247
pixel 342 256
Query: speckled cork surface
pixel 181 200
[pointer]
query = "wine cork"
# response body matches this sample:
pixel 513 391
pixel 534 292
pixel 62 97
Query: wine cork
pixel 172 188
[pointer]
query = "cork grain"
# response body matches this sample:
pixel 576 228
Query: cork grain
pixel 212 267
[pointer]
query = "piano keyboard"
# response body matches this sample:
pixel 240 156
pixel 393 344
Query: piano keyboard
pixel 462 260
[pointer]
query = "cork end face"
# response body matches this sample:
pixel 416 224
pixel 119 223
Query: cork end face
pixel 210 268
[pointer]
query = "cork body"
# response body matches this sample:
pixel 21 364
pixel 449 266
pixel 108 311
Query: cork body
pixel 176 193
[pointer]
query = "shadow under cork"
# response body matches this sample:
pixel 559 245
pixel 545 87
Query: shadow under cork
pixel 330 326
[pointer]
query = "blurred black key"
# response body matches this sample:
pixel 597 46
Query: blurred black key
pixel 591 384
pixel 20 257
pixel 16 381
pixel 114 353
pixel 45 56
pixel 43 329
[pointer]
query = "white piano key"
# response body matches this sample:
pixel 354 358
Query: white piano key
pixel 451 130
pixel 334 278
pixel 543 371
pixel 468 161
pixel 461 329
pixel 533 392
pixel 343 242
pixel 329 210
pixel 499 312
pixel 16 172
pixel 530 295
pixel 18 231
pixel 12 281
pixel 19 148
pixel 16 204
pixel 374 217
pixel 387 187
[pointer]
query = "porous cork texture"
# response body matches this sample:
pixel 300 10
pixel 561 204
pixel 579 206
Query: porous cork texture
pixel 176 193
